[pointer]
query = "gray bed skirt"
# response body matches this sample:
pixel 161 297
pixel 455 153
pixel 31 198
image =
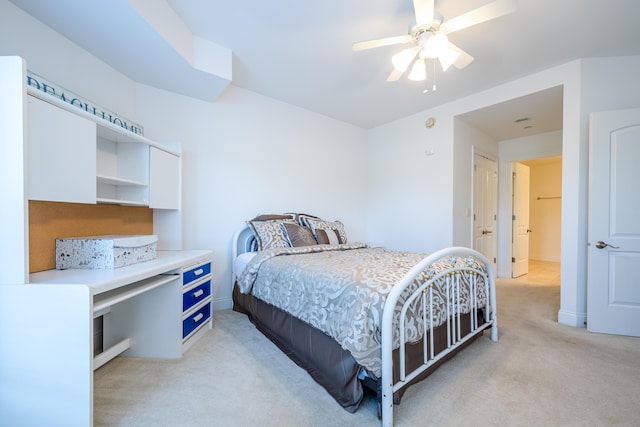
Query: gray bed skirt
pixel 323 358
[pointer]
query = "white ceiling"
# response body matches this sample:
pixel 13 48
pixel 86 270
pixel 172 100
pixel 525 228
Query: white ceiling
pixel 300 52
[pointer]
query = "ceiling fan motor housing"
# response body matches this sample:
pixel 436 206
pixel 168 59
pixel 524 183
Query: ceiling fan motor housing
pixel 415 30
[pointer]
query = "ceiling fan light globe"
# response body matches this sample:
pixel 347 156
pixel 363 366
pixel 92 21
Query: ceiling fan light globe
pixel 419 71
pixel 447 58
pixel 436 45
pixel 402 59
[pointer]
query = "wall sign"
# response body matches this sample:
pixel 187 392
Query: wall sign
pixel 56 91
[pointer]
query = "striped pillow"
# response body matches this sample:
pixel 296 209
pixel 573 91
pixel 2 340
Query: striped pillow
pixel 270 234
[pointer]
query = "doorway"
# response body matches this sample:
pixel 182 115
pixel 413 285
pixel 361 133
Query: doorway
pixel 536 229
pixel 485 206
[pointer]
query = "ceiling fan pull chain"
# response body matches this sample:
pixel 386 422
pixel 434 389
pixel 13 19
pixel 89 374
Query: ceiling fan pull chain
pixel 434 75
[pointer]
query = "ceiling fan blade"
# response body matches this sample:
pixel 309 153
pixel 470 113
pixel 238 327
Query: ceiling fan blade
pixel 395 75
pixel 424 11
pixel 482 14
pixel 463 59
pixel 381 42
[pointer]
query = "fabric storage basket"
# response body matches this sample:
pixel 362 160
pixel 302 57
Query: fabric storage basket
pixel 103 252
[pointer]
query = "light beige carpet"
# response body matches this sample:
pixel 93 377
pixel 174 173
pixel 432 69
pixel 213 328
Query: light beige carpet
pixel 540 373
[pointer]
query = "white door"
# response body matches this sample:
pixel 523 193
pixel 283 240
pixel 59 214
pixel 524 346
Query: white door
pixel 520 220
pixel 485 198
pixel 613 301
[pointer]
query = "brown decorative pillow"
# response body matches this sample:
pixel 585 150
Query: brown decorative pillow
pixel 297 235
pixel 269 233
pixel 333 226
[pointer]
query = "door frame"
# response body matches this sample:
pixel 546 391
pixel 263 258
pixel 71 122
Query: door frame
pixel 504 204
pixel 475 151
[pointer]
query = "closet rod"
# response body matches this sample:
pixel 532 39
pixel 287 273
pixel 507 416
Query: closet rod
pixel 551 197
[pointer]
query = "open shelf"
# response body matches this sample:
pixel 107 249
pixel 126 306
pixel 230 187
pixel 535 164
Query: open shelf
pixel 111 353
pixel 112 180
pixel 122 202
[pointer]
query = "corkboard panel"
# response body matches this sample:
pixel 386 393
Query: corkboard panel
pixel 50 220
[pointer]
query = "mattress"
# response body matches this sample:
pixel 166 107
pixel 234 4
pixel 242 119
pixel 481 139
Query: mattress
pixel 241 262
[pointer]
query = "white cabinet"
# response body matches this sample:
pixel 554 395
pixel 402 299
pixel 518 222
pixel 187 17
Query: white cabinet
pixel 60 145
pixel 164 179
pixel 76 157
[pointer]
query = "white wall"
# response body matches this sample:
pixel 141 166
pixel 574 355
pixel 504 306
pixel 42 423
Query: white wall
pixel 243 155
pixel 247 154
pixel 426 197
pixel 423 218
pixel 466 140
pixel 60 61
pixel 410 193
pixel 426 213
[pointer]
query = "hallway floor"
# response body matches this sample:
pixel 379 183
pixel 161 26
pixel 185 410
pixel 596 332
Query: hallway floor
pixel 541 273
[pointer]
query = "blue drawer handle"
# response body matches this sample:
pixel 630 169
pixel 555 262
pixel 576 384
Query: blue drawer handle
pixel 198 293
pixel 198 317
pixel 198 271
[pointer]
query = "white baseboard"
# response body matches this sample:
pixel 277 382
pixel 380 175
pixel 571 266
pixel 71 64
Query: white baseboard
pixel 221 304
pixel 532 258
pixel 577 320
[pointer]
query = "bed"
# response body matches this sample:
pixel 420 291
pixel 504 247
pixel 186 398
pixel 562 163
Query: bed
pixel 358 317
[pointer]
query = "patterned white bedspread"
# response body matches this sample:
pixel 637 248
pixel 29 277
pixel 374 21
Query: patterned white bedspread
pixel 341 290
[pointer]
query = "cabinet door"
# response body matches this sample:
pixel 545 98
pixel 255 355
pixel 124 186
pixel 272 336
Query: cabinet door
pixel 62 154
pixel 164 180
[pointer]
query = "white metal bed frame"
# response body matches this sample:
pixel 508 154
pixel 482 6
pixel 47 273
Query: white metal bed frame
pixel 244 242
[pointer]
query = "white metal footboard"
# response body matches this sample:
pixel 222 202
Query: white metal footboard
pixel 452 278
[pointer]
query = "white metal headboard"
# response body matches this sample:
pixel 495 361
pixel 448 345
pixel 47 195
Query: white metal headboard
pixel 243 241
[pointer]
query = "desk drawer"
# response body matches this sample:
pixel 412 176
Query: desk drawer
pixel 195 295
pixel 196 319
pixel 196 273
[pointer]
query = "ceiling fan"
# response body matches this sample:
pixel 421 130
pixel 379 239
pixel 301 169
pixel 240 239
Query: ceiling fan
pixel 429 38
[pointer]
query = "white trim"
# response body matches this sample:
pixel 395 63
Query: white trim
pixel 577 320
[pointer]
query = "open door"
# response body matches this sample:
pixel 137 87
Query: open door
pixel 613 297
pixel 520 220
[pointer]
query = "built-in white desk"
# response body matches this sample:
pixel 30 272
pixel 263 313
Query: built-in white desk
pixel 158 308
